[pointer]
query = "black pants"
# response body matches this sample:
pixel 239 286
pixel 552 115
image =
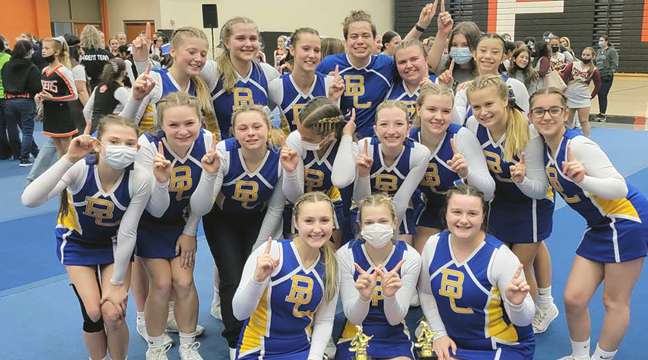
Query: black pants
pixel 230 238
pixel 9 135
pixel 606 84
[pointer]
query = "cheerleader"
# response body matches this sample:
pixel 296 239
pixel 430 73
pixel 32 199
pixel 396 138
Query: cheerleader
pixel 58 91
pixel 456 157
pixel 558 59
pixel 488 54
pixel 291 92
pixel 289 289
pixel 411 61
pixel 249 202
pixel 613 247
pixel 318 156
pixel 177 153
pixel 110 95
pixel 578 76
pixel 280 54
pixel 392 164
pixel 378 276
pixel 102 199
pixel 522 209
pixel 473 291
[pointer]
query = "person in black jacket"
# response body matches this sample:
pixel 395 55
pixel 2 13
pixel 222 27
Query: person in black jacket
pixel 94 57
pixel 21 80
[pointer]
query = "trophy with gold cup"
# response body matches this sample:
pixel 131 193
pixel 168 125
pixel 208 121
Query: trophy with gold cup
pixel 359 344
pixel 424 343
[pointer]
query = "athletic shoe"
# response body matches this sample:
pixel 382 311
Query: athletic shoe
pixel 141 329
pixel 25 163
pixel 602 118
pixel 190 351
pixel 542 319
pixel 572 357
pixel 158 354
pixel 216 307
pixel 172 326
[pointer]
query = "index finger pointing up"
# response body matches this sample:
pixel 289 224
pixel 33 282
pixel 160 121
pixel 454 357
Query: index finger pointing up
pixel 148 68
pixel 268 246
pixel 366 147
pixel 522 159
pixel 161 148
pixel 398 266
pixel 442 6
pixel 148 31
pixel 570 155
pixel 86 131
pixel 452 64
pixel 454 147
pixel 359 269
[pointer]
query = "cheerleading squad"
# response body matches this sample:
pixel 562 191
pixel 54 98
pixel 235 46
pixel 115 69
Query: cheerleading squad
pixel 384 186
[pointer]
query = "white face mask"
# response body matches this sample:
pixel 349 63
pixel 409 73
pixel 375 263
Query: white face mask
pixel 119 157
pixel 377 235
pixel 310 146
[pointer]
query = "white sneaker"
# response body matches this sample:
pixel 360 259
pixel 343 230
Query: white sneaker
pixel 190 351
pixel 141 329
pixel 158 354
pixel 542 319
pixel 572 357
pixel 216 307
pixel 172 326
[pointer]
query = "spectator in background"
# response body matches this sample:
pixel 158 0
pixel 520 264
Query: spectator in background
pixel 159 40
pixel 332 46
pixel 37 57
pixel 566 43
pixel 607 62
pixel 281 52
pixel 121 37
pixel 94 56
pixel 509 48
pixel 102 36
pixel 124 53
pixel 79 73
pixel 541 62
pixel 379 44
pixel 7 149
pixel 21 81
pixel 389 41
pixel 114 47
pixel 530 41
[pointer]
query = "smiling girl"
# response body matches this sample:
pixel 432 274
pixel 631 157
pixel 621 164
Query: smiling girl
pixel 522 70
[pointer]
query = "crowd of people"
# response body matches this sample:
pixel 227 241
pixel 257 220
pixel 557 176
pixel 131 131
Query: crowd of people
pixel 400 174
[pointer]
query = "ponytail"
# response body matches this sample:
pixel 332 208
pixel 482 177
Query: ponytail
pixel 517 132
pixel 113 69
pixel 225 68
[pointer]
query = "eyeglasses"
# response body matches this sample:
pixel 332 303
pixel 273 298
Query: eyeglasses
pixel 554 111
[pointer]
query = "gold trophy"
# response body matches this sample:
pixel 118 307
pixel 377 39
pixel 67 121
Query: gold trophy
pixel 359 344
pixel 424 343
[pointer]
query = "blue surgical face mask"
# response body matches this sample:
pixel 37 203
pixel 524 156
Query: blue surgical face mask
pixel 460 55
pixel 601 44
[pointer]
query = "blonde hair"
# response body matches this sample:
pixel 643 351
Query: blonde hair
pixel 427 90
pixel 322 115
pixel 407 43
pixel 357 16
pixel 294 38
pixel 330 261
pixel 566 40
pixel 90 37
pixel 172 100
pixel 377 200
pixel 203 94
pixel 392 104
pixel 517 128
pixel 61 46
pixel 225 68
pixel 275 136
pixel 591 66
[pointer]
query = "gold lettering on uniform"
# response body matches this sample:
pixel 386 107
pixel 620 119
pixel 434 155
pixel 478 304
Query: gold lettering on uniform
pixel 431 177
pixel 377 294
pixel 355 87
pixel 386 183
pixel 301 292
pixel 180 180
pixel 314 179
pixel 101 210
pixel 242 96
pixel 297 108
pixel 411 109
pixel 452 287
pixel 246 192
pixel 552 175
pixel 494 162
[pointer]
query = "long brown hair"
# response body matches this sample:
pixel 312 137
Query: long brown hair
pixel 530 74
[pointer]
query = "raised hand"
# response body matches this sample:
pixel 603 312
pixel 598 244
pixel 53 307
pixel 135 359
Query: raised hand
pixel 442 347
pixel 211 161
pixel 518 171
pixel 118 296
pixel 266 263
pixel 573 168
pixel 518 288
pixel 446 78
pixel 350 127
pixel 427 14
pixel 144 84
pixel 458 163
pixel 390 281
pixel 142 44
pixel 366 282
pixel 463 85
pixel 364 161
pixel 161 166
pixel 186 247
pixel 288 157
pixel 425 82
pixel 444 21
pixel 81 145
pixel 336 89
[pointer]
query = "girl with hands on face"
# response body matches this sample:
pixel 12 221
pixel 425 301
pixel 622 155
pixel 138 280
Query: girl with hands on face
pixel 613 247
pixel 472 288
pixel 324 147
pixel 296 281
pixel 378 276
pixel 184 162
pixel 456 157
pixel 102 200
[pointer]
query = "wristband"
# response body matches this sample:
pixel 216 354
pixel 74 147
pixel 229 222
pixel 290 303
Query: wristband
pixel 419 28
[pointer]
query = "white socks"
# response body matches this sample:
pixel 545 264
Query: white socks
pixel 156 342
pixel 104 358
pixel 602 354
pixel 140 317
pixel 580 348
pixel 232 354
pixel 544 298
pixel 187 338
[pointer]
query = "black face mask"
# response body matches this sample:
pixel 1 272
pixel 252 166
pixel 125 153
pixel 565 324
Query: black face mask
pixel 50 59
pixel 586 61
pixel 555 49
